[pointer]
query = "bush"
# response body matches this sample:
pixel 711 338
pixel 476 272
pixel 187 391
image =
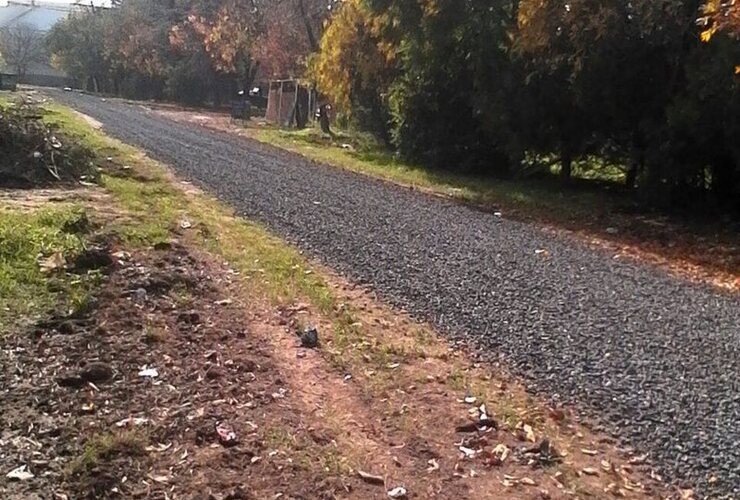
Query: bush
pixel 32 154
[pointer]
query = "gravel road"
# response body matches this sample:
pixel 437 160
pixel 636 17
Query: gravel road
pixel 656 358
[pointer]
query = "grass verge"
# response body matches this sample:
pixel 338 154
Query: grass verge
pixel 34 247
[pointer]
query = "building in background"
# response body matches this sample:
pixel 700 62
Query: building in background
pixel 23 27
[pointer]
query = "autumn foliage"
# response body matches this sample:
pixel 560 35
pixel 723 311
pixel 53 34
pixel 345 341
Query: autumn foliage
pixel 520 88
pixel 511 88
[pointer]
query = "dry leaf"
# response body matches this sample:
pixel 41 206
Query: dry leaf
pixel 148 372
pixel 529 432
pixel 398 492
pixel 52 263
pixel 502 451
pixel 20 473
pixel 159 478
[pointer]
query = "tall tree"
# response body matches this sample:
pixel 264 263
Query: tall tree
pixel 77 47
pixel 22 45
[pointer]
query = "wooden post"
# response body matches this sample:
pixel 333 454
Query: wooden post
pixel 280 105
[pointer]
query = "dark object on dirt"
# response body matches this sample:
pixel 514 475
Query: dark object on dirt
pixel 32 155
pixel 470 426
pixel 226 434
pixel 96 372
pixel 214 372
pixel 241 109
pixel 71 381
pixel 487 421
pixel 67 328
pixel 189 317
pixel 546 454
pixel 467 426
pixel 310 338
pixel 163 245
pixel 92 259
pixel 238 494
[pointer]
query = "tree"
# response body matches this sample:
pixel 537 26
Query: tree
pixel 227 33
pixel 449 102
pixel 76 47
pixel 22 45
pixel 354 70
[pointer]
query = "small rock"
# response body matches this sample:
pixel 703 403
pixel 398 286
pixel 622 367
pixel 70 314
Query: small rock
pixel 148 372
pixel 467 426
pixel 226 435
pixel 310 338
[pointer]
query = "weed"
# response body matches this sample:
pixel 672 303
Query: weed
pixel 154 334
pixel 101 447
pixel 457 380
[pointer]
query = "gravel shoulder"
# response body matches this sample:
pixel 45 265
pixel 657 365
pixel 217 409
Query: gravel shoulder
pixel 653 357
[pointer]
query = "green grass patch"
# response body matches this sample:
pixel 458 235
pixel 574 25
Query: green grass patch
pixel 29 239
pixel 102 447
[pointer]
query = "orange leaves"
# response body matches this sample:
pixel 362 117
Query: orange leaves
pixel 719 15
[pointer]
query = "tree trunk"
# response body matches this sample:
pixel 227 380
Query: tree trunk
pixel 723 181
pixel 312 41
pixel 566 162
pixel 324 119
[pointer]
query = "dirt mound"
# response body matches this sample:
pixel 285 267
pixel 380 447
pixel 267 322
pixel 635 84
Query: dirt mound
pixel 33 154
